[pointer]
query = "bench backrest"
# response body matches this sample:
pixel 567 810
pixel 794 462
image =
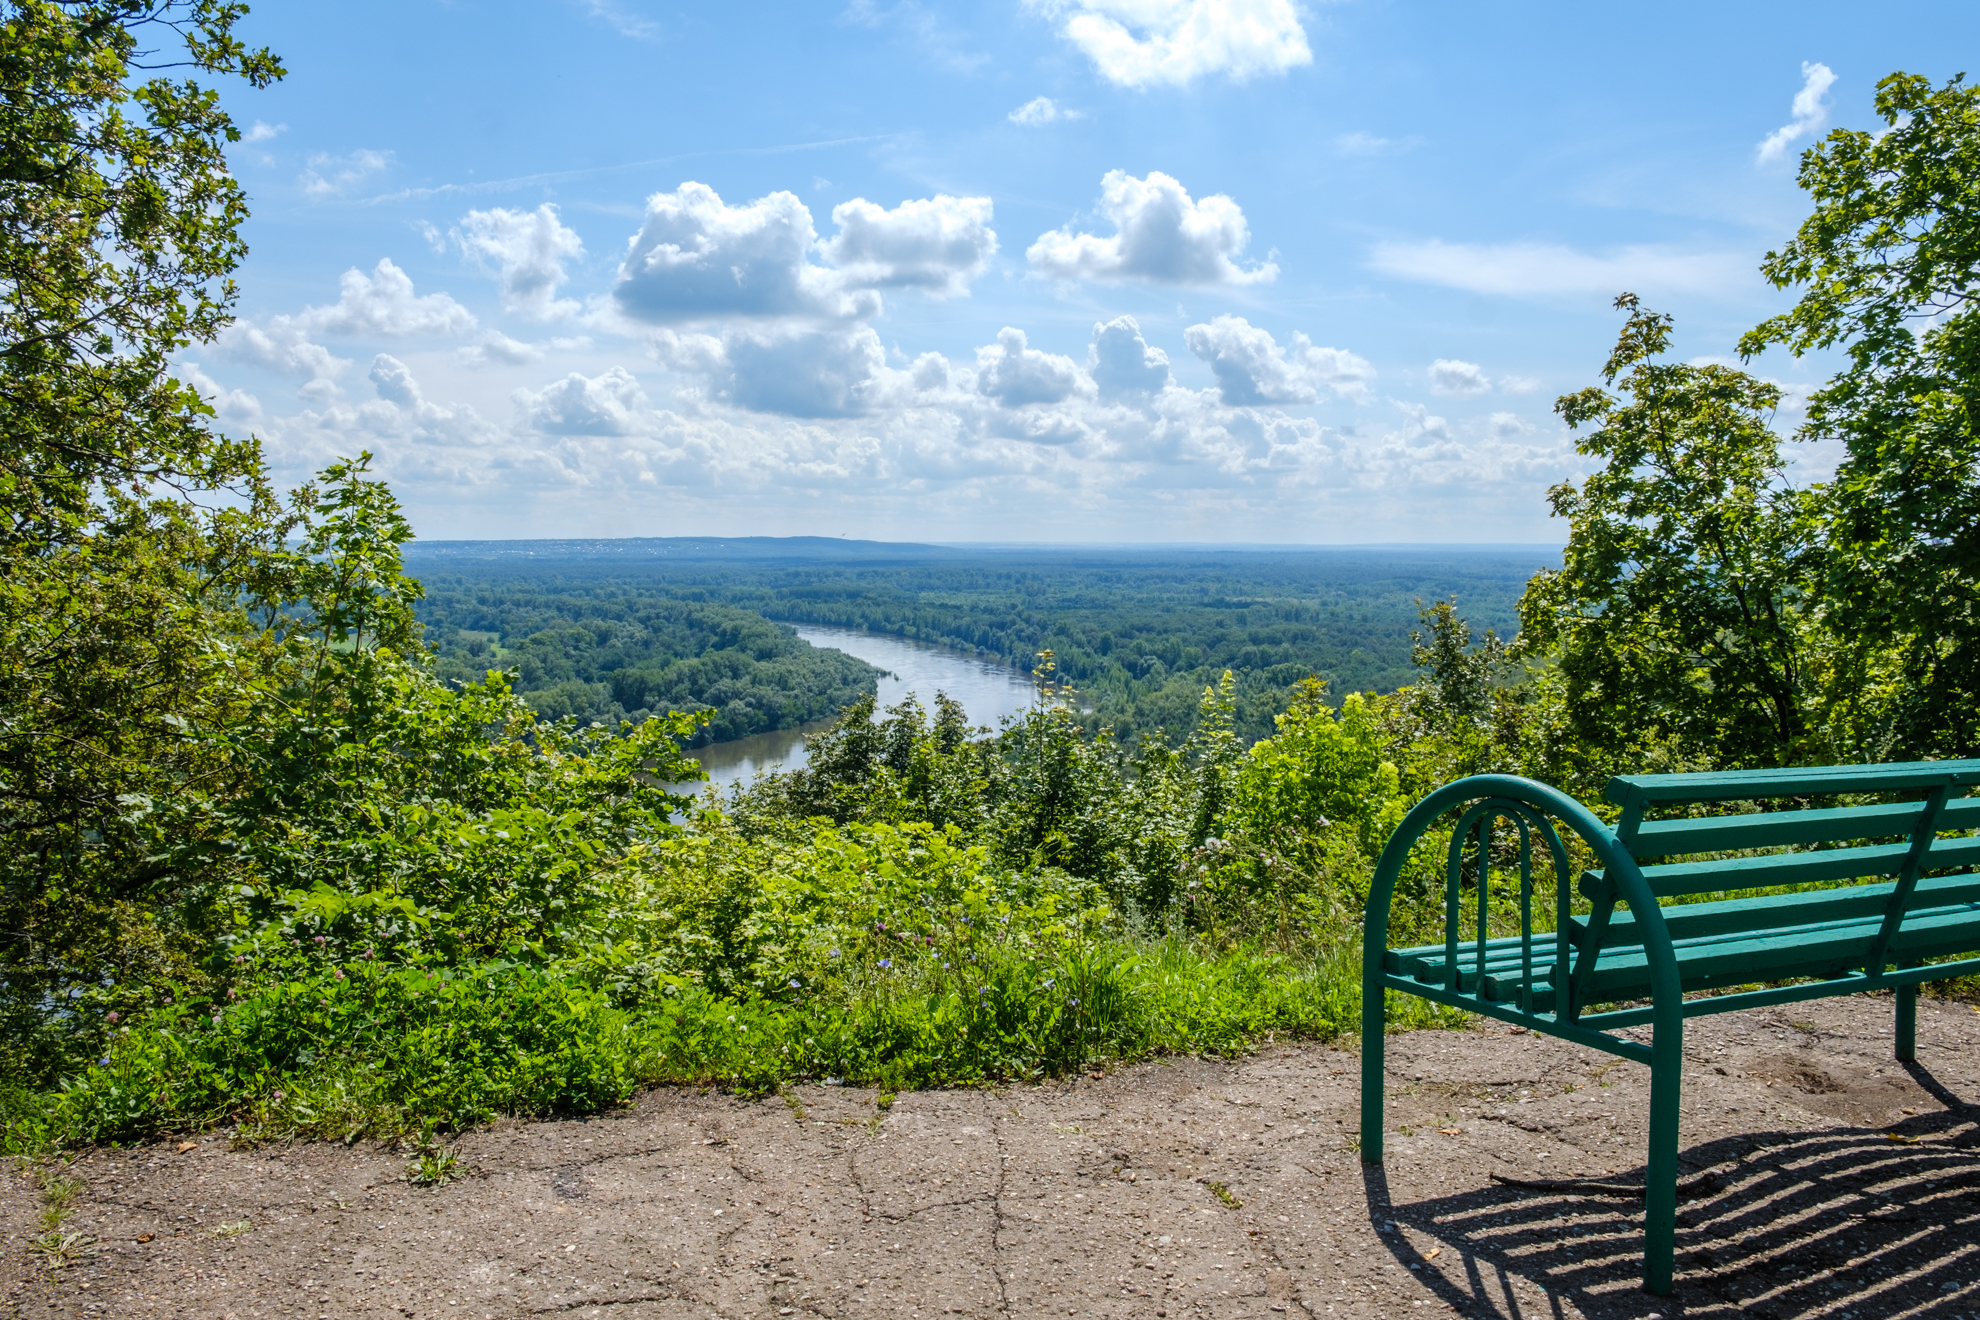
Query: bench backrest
pixel 1887 844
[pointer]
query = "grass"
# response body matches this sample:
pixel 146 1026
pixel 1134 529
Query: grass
pixel 372 1051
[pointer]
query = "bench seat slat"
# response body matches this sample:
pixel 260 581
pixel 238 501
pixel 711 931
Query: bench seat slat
pixel 1404 962
pixel 1730 942
pixel 1620 973
pixel 1430 971
pixel 1821 950
pixel 1693 920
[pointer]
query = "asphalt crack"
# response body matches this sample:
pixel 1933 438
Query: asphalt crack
pixel 997 1215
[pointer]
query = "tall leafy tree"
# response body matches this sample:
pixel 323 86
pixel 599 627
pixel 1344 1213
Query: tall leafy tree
pixel 1887 267
pixel 119 231
pixel 130 527
pixel 1679 618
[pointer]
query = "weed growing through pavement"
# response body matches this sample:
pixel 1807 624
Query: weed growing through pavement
pixel 59 1249
pixel 59 1190
pixel 433 1165
pixel 1224 1196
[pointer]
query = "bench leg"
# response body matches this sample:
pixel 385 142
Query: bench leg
pixel 1907 1023
pixel 1661 1174
pixel 1374 1025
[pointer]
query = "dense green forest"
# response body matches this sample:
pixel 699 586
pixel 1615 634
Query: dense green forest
pixel 265 863
pixel 1139 633
pixel 611 653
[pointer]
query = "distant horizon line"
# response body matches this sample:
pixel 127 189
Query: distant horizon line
pixel 1000 545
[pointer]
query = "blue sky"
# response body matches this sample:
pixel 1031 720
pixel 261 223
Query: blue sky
pixel 1032 270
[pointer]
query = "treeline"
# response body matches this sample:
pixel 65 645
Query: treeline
pixel 607 654
pixel 1138 633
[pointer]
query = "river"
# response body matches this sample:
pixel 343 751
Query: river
pixel 987 692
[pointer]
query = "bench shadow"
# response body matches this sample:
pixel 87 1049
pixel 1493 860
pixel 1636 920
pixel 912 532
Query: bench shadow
pixel 1857 1222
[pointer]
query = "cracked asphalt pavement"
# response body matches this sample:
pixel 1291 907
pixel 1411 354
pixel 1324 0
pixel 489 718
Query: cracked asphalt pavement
pixel 1823 1178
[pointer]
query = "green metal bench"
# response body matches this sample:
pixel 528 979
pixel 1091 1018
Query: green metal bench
pixel 1901 884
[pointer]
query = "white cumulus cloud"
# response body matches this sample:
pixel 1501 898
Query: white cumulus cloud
pixel 496 349
pixel 1015 374
pixel 792 371
pixel 1450 376
pixel 1162 235
pixel 380 302
pixel 1541 269
pixel 1421 428
pixel 528 250
pixel 1251 368
pixel 831 373
pixel 285 348
pixel 1144 43
pixel 394 382
pixel 1121 362
pixel 404 412
pixel 262 131
pixel 232 405
pixel 785 417
pixel 608 404
pixel 1039 111
pixel 937 244
pixel 1808 111
pixel 698 259
pixel 383 302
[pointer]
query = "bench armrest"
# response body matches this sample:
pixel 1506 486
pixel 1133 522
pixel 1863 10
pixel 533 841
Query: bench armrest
pixel 1616 863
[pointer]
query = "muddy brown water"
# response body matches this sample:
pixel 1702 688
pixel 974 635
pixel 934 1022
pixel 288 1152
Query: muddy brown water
pixel 1823 1179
